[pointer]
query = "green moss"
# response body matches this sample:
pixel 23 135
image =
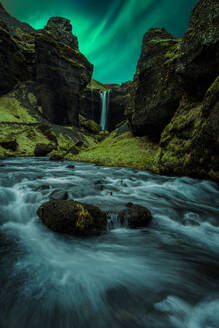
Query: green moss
pixel 173 52
pixel 65 143
pixel 124 150
pixel 189 119
pixel 11 110
pixel 58 152
pixel 26 136
pixel 211 89
pixel 89 125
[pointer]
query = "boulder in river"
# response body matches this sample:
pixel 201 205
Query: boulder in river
pixel 59 194
pixel 68 216
pixel 42 149
pixel 135 216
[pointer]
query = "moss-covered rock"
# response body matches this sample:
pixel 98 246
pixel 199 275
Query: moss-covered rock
pixel 57 155
pixel 67 216
pixel 89 125
pixel 190 142
pixel 43 149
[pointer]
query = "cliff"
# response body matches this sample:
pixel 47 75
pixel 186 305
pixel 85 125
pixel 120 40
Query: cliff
pixel 50 58
pixel 174 97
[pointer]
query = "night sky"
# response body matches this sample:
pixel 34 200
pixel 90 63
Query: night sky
pixel 109 32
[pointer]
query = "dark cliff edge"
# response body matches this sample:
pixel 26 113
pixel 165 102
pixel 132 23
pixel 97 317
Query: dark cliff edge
pixel 175 95
pixel 48 57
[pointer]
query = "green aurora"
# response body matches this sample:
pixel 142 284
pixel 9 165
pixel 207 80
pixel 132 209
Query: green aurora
pixel 110 33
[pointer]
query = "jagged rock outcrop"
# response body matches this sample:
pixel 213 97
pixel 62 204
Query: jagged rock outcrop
pixel 156 91
pixel 199 52
pixel 50 58
pixel 175 95
pixel 190 142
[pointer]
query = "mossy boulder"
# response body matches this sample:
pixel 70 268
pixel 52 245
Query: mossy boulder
pixel 56 155
pixel 89 125
pixel 68 216
pixel 135 216
pixel 42 149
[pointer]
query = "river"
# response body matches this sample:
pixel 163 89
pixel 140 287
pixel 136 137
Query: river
pixel 162 276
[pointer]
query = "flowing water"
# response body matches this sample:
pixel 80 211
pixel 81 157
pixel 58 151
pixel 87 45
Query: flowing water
pixel 162 276
pixel 104 96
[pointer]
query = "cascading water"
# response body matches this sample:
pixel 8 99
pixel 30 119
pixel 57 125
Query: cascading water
pixel 104 96
pixel 165 275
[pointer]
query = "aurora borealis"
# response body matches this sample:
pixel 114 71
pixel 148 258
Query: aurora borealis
pixel 110 33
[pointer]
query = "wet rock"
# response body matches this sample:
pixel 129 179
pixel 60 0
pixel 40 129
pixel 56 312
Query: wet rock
pixel 67 216
pixel 43 149
pixel 70 167
pixel 135 216
pixel 57 157
pixel 59 194
pixel 191 223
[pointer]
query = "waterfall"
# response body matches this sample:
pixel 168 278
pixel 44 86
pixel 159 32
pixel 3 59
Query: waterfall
pixel 104 96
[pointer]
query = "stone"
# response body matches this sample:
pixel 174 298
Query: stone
pixel 135 216
pixel 89 125
pixel 68 216
pixel 56 156
pixel 43 149
pixel 70 167
pixel 58 194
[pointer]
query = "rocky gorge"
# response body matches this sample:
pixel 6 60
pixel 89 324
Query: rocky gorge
pixel 108 193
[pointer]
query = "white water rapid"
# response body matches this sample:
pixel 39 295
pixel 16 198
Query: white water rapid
pixel 162 276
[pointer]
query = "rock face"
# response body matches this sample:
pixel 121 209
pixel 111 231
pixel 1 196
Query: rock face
pixel 91 105
pixel 175 95
pixel 50 59
pixel 135 216
pixel 118 100
pixel 71 217
pixel 156 91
